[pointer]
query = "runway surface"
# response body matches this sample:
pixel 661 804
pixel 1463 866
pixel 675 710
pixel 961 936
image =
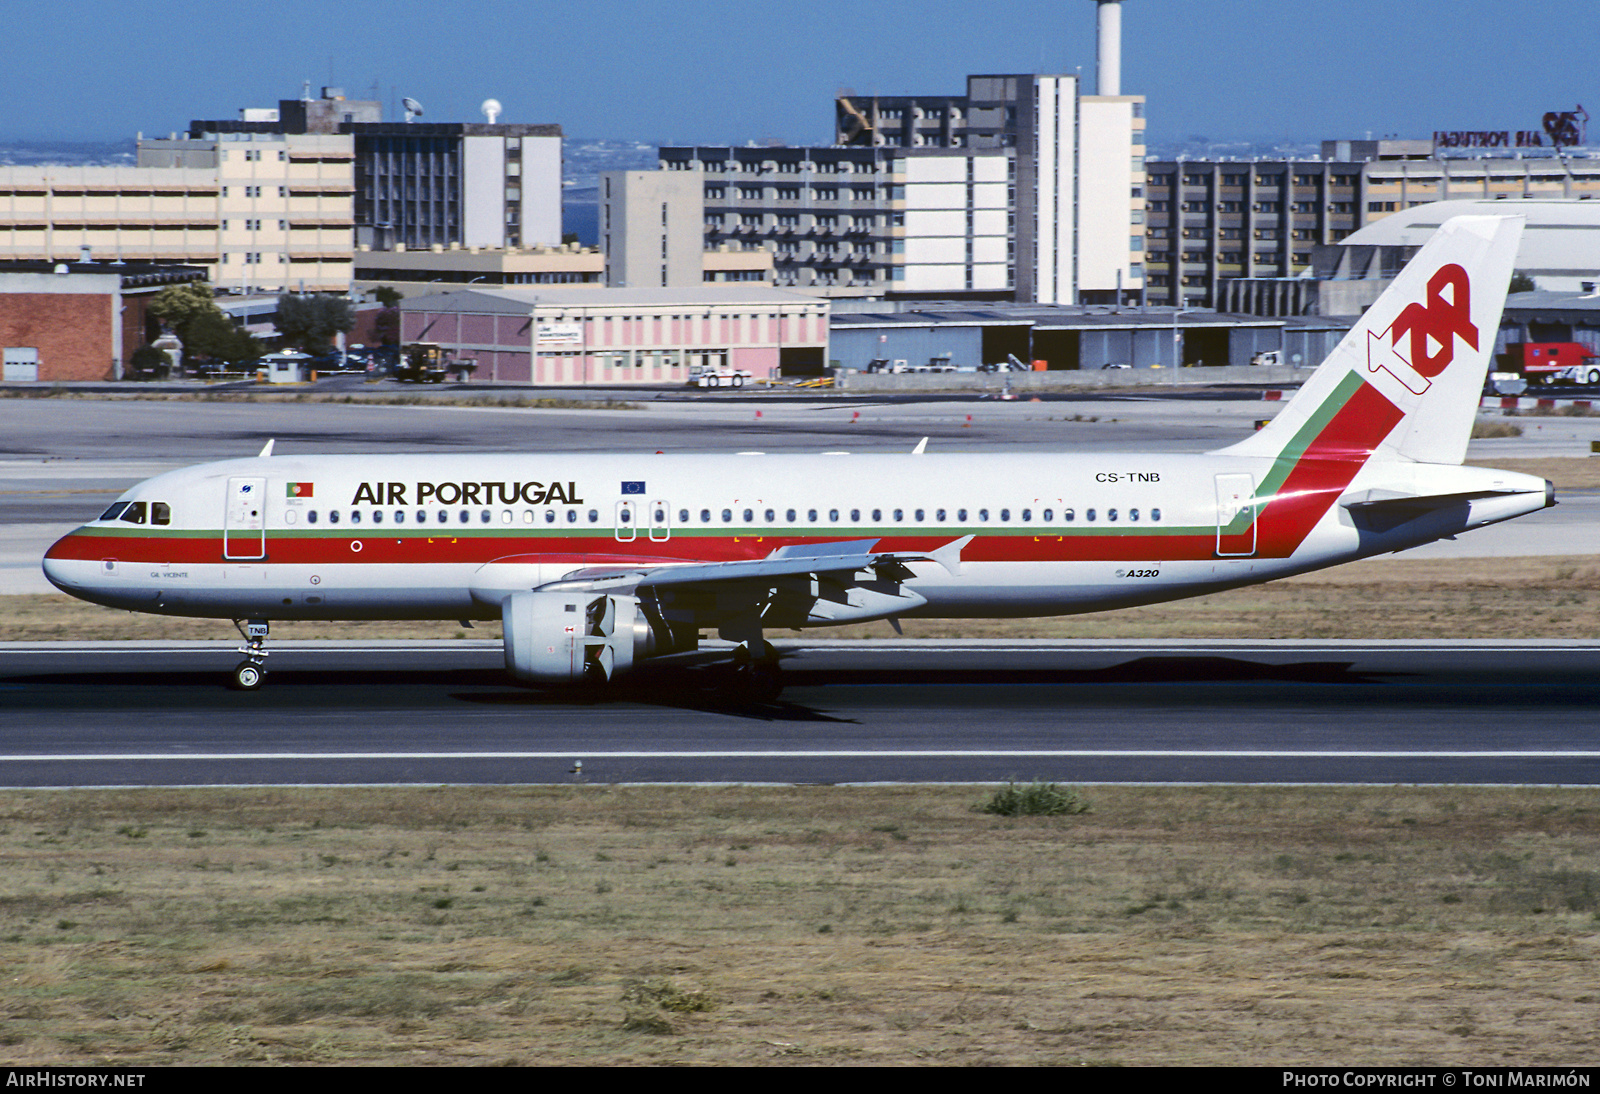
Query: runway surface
pixel 853 712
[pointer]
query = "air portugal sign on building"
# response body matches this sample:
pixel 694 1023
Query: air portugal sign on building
pixel 1562 129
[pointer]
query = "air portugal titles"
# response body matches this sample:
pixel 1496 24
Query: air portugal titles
pixel 467 493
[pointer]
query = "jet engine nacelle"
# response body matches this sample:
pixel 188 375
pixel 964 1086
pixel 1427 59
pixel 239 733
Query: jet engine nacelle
pixel 574 637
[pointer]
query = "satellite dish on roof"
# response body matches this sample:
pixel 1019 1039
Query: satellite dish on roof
pixel 413 108
pixel 491 109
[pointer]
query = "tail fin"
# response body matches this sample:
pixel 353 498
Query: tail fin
pixel 1404 383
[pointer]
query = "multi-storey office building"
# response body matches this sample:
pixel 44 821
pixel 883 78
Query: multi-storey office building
pixel 1021 189
pixel 259 211
pixel 1216 221
pixel 426 183
pixel 478 185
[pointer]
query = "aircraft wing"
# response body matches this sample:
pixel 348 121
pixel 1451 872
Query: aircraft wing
pixel 841 558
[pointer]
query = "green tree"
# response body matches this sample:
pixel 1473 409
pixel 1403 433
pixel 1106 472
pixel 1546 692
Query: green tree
pixel 386 327
pixel 388 296
pixel 147 361
pixel 1521 282
pixel 311 322
pixel 178 306
pixel 216 336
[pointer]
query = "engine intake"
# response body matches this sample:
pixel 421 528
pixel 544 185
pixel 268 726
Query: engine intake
pixel 576 637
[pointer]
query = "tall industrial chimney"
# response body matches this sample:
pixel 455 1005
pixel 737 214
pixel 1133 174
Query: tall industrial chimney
pixel 1108 61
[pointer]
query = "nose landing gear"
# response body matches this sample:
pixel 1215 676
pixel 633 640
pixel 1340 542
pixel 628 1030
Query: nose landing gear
pixel 251 673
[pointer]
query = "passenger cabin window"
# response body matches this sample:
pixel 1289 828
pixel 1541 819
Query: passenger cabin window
pixel 355 516
pixel 333 516
pixel 1155 514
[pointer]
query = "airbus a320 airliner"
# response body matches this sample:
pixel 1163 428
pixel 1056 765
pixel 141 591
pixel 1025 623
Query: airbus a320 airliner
pixel 594 563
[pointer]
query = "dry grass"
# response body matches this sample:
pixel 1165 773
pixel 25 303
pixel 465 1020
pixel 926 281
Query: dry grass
pixel 1549 597
pixel 270 395
pixel 1566 472
pixel 646 925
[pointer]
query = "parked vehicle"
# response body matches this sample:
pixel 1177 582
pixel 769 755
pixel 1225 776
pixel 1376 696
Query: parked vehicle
pixel 718 376
pixel 1552 362
pixel 422 363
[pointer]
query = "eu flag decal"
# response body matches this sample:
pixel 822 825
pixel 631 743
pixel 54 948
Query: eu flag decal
pixel 632 488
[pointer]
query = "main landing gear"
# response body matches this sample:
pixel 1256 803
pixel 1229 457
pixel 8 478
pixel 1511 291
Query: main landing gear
pixel 251 673
pixel 757 677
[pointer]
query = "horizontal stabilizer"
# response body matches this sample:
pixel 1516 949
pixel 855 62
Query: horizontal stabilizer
pixel 1379 499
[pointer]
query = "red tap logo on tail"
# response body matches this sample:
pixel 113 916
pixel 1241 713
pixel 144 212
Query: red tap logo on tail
pixel 1433 328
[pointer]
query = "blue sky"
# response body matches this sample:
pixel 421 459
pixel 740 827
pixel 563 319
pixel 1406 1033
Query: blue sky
pixel 716 71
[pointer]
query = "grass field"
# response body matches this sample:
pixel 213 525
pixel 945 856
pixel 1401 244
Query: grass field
pixel 602 925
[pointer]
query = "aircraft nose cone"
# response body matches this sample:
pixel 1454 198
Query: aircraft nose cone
pixel 56 568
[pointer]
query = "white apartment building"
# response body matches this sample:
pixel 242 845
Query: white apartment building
pixel 1024 188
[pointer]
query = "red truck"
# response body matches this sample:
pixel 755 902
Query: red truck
pixel 1552 362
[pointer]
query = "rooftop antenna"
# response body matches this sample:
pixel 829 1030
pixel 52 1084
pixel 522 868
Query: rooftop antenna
pixel 491 109
pixel 413 108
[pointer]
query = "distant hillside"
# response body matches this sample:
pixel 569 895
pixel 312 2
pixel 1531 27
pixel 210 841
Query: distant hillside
pixel 72 153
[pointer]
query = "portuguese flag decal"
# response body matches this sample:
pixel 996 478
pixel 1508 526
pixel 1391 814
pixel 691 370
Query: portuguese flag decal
pixel 300 489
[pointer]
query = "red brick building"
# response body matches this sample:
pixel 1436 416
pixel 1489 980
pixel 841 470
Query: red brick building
pixel 77 320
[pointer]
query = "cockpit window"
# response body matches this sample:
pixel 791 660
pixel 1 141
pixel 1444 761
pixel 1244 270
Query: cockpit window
pixel 160 513
pixel 115 511
pixel 134 513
